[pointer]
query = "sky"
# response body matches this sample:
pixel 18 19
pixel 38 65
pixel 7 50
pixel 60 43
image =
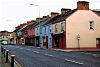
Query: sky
pixel 16 12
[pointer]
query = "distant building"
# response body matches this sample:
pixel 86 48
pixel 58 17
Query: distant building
pixel 5 36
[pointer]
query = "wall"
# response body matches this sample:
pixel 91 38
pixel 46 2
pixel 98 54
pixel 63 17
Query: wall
pixel 58 26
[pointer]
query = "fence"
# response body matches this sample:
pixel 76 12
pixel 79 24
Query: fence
pixel 9 58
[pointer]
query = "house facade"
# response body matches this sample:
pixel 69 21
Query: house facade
pixel 5 37
pixel 38 32
pixel 58 35
pixel 45 32
pixel 29 37
pixel 12 38
pixel 82 28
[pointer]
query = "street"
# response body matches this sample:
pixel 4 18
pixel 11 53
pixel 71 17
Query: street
pixel 37 57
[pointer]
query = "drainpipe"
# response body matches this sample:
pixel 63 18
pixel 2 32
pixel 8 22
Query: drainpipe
pixel 78 39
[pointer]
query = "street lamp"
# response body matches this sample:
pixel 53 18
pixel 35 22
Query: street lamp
pixel 78 38
pixel 39 20
pixel 38 6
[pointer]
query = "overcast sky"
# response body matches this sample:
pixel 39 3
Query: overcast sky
pixel 15 12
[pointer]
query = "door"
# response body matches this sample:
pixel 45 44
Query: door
pixel 98 42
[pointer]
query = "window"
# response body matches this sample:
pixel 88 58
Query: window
pixel 37 31
pixel 50 30
pixel 91 25
pixel 25 32
pixel 62 27
pixel 55 27
pixel 45 30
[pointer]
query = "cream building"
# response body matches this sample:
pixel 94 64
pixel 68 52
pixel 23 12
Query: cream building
pixel 83 28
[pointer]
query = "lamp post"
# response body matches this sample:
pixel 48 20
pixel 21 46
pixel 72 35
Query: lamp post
pixel 78 38
pixel 39 20
pixel 38 6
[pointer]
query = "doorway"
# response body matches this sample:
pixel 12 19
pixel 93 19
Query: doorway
pixel 98 43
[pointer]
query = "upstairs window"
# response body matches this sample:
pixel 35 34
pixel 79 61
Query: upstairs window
pixel 62 27
pixel 50 30
pixel 26 32
pixel 45 30
pixel 91 25
pixel 56 28
pixel 37 31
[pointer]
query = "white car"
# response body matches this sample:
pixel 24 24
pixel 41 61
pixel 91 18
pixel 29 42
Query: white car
pixel 4 42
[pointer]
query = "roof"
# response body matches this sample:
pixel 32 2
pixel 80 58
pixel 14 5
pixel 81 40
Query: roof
pixel 64 16
pixel 42 22
pixel 3 31
pixel 97 12
pixel 52 19
pixel 16 30
pixel 27 27
pixel 61 17
pixel 45 21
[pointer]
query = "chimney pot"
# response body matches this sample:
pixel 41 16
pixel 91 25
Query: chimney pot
pixel 83 5
pixel 64 10
pixel 53 14
pixel 38 19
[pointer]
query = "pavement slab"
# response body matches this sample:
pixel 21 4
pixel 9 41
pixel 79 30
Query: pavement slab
pixel 2 62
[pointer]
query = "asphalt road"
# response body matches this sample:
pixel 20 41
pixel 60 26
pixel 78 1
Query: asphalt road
pixel 37 57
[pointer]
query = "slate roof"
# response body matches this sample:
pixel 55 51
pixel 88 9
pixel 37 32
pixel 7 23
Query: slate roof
pixel 16 30
pixel 42 22
pixel 61 17
pixel 45 21
pixel 97 12
pixel 64 16
pixel 52 19
pixel 28 27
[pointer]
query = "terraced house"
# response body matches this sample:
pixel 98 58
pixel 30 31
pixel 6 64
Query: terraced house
pixel 29 34
pixel 82 28
pixel 44 31
pixel 72 29
pixel 76 29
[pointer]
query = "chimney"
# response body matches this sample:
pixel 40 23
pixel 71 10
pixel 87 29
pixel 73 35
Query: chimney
pixel 38 19
pixel 33 21
pixel 17 27
pixel 45 17
pixel 53 14
pixel 83 5
pixel 29 22
pixel 64 10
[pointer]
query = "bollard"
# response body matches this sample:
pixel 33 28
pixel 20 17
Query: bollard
pixel 4 52
pixel 7 55
pixel 1 48
pixel 12 60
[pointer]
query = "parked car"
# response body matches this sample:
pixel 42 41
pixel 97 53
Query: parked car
pixel 4 42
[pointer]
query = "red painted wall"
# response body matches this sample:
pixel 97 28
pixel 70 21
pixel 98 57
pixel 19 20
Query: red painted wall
pixel 61 39
pixel 30 33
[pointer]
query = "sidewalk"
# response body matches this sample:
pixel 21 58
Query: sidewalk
pixel 2 62
pixel 76 50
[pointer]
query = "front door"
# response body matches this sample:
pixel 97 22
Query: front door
pixel 98 42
